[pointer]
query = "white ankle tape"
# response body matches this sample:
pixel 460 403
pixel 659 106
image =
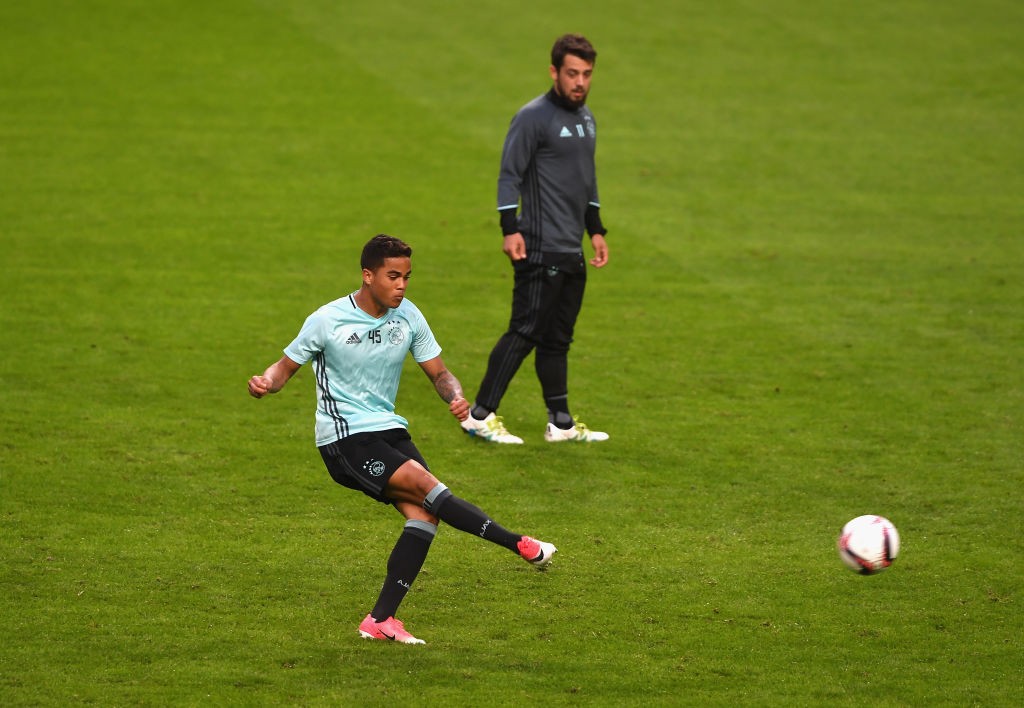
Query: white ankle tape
pixel 422 528
pixel 435 495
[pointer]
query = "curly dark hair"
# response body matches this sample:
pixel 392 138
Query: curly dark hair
pixel 383 246
pixel 575 44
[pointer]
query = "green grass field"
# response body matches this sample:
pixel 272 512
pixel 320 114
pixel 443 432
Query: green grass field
pixel 813 311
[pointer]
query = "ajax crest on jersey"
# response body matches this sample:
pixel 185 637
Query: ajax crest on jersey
pixel 868 544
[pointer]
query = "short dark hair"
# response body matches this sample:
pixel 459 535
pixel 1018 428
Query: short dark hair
pixel 575 44
pixel 383 246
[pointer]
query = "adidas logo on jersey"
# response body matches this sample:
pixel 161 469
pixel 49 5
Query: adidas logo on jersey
pixel 354 339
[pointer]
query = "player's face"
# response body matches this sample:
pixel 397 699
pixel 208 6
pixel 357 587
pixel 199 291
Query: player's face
pixel 387 283
pixel 572 79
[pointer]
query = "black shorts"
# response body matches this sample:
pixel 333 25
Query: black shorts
pixel 366 461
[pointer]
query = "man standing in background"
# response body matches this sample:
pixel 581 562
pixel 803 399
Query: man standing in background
pixel 548 176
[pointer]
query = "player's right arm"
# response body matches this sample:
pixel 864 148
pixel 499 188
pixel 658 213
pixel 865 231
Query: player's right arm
pixel 274 378
pixel 516 156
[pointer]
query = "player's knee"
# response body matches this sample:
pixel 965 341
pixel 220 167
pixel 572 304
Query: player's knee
pixel 553 348
pixel 519 341
pixel 411 482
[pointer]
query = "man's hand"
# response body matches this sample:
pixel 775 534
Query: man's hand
pixel 260 386
pixel 600 251
pixel 514 247
pixel 459 408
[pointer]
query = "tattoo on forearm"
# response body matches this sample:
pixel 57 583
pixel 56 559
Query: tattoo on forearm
pixel 448 387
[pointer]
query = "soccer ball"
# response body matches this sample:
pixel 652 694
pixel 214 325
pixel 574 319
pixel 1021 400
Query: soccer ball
pixel 868 544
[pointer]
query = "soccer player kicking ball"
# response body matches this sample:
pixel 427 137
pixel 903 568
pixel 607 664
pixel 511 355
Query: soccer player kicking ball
pixel 357 345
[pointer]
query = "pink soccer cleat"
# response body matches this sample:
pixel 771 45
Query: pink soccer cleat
pixel 536 552
pixel 390 630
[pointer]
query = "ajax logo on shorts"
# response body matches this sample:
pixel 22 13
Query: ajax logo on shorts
pixel 375 468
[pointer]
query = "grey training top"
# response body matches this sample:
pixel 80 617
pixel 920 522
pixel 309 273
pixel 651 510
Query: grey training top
pixel 547 164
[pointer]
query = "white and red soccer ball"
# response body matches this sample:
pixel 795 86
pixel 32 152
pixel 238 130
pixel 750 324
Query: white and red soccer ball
pixel 868 544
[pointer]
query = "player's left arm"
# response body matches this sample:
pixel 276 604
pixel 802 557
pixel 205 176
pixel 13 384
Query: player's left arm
pixel 596 229
pixel 447 386
pixel 600 258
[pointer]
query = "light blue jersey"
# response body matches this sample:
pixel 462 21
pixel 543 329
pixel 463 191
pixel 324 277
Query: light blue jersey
pixel 358 364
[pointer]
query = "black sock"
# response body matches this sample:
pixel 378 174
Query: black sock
pixel 479 412
pixel 404 565
pixel 561 419
pixel 558 411
pixel 553 373
pixel 467 517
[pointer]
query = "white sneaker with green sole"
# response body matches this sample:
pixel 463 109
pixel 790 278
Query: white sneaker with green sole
pixel 492 429
pixel 577 433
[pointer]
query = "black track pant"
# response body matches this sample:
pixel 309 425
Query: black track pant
pixel 546 301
